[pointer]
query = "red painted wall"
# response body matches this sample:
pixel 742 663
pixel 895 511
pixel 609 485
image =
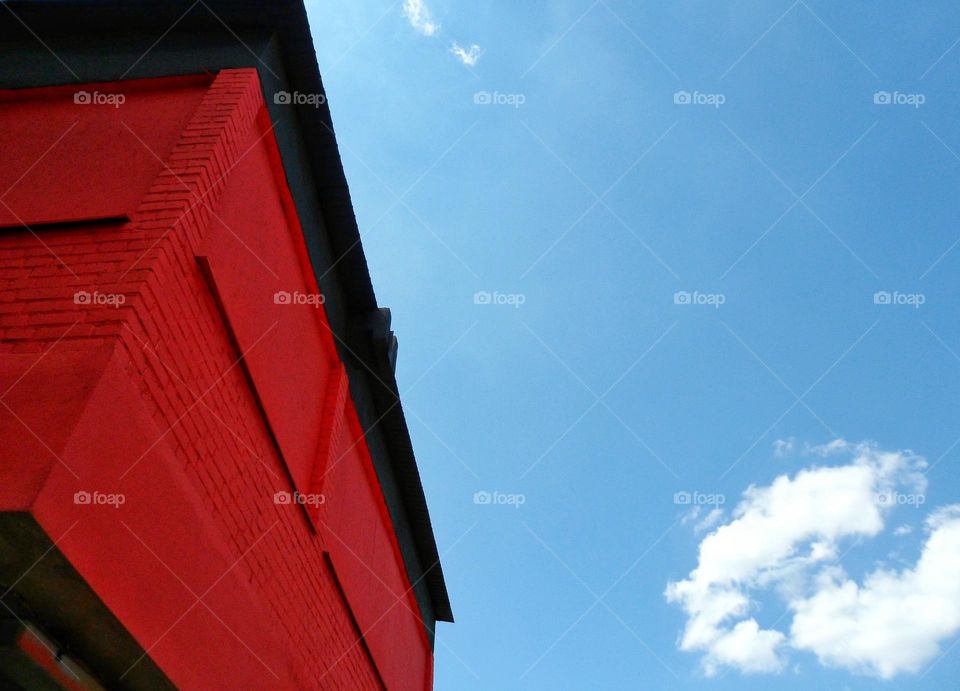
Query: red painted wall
pixel 195 398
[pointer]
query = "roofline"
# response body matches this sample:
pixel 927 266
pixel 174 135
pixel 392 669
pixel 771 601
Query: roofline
pixel 278 43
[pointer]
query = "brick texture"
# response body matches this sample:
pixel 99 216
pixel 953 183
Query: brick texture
pixel 183 358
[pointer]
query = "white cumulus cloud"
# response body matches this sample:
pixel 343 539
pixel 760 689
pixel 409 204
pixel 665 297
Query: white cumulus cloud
pixel 894 621
pixel 784 538
pixel 746 647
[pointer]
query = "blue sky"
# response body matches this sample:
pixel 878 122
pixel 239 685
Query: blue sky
pixel 642 249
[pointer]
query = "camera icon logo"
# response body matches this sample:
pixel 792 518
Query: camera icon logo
pixel 82 498
pixel 82 98
pixel 682 498
pixel 482 498
pixel 882 297
pixel 682 297
pixel 883 98
pixel 682 98
pixel 482 98
pixel 282 498
pixel 482 297
pixel 282 98
pixel 282 297
pixel 82 297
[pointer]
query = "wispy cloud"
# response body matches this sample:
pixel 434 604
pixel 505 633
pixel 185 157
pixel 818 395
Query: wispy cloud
pixel 421 19
pixel 784 538
pixel 419 16
pixel 468 57
pixel 784 447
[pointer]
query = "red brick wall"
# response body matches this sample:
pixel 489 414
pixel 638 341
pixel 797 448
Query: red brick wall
pixel 233 433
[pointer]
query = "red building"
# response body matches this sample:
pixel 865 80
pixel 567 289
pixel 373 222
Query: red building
pixel 206 478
